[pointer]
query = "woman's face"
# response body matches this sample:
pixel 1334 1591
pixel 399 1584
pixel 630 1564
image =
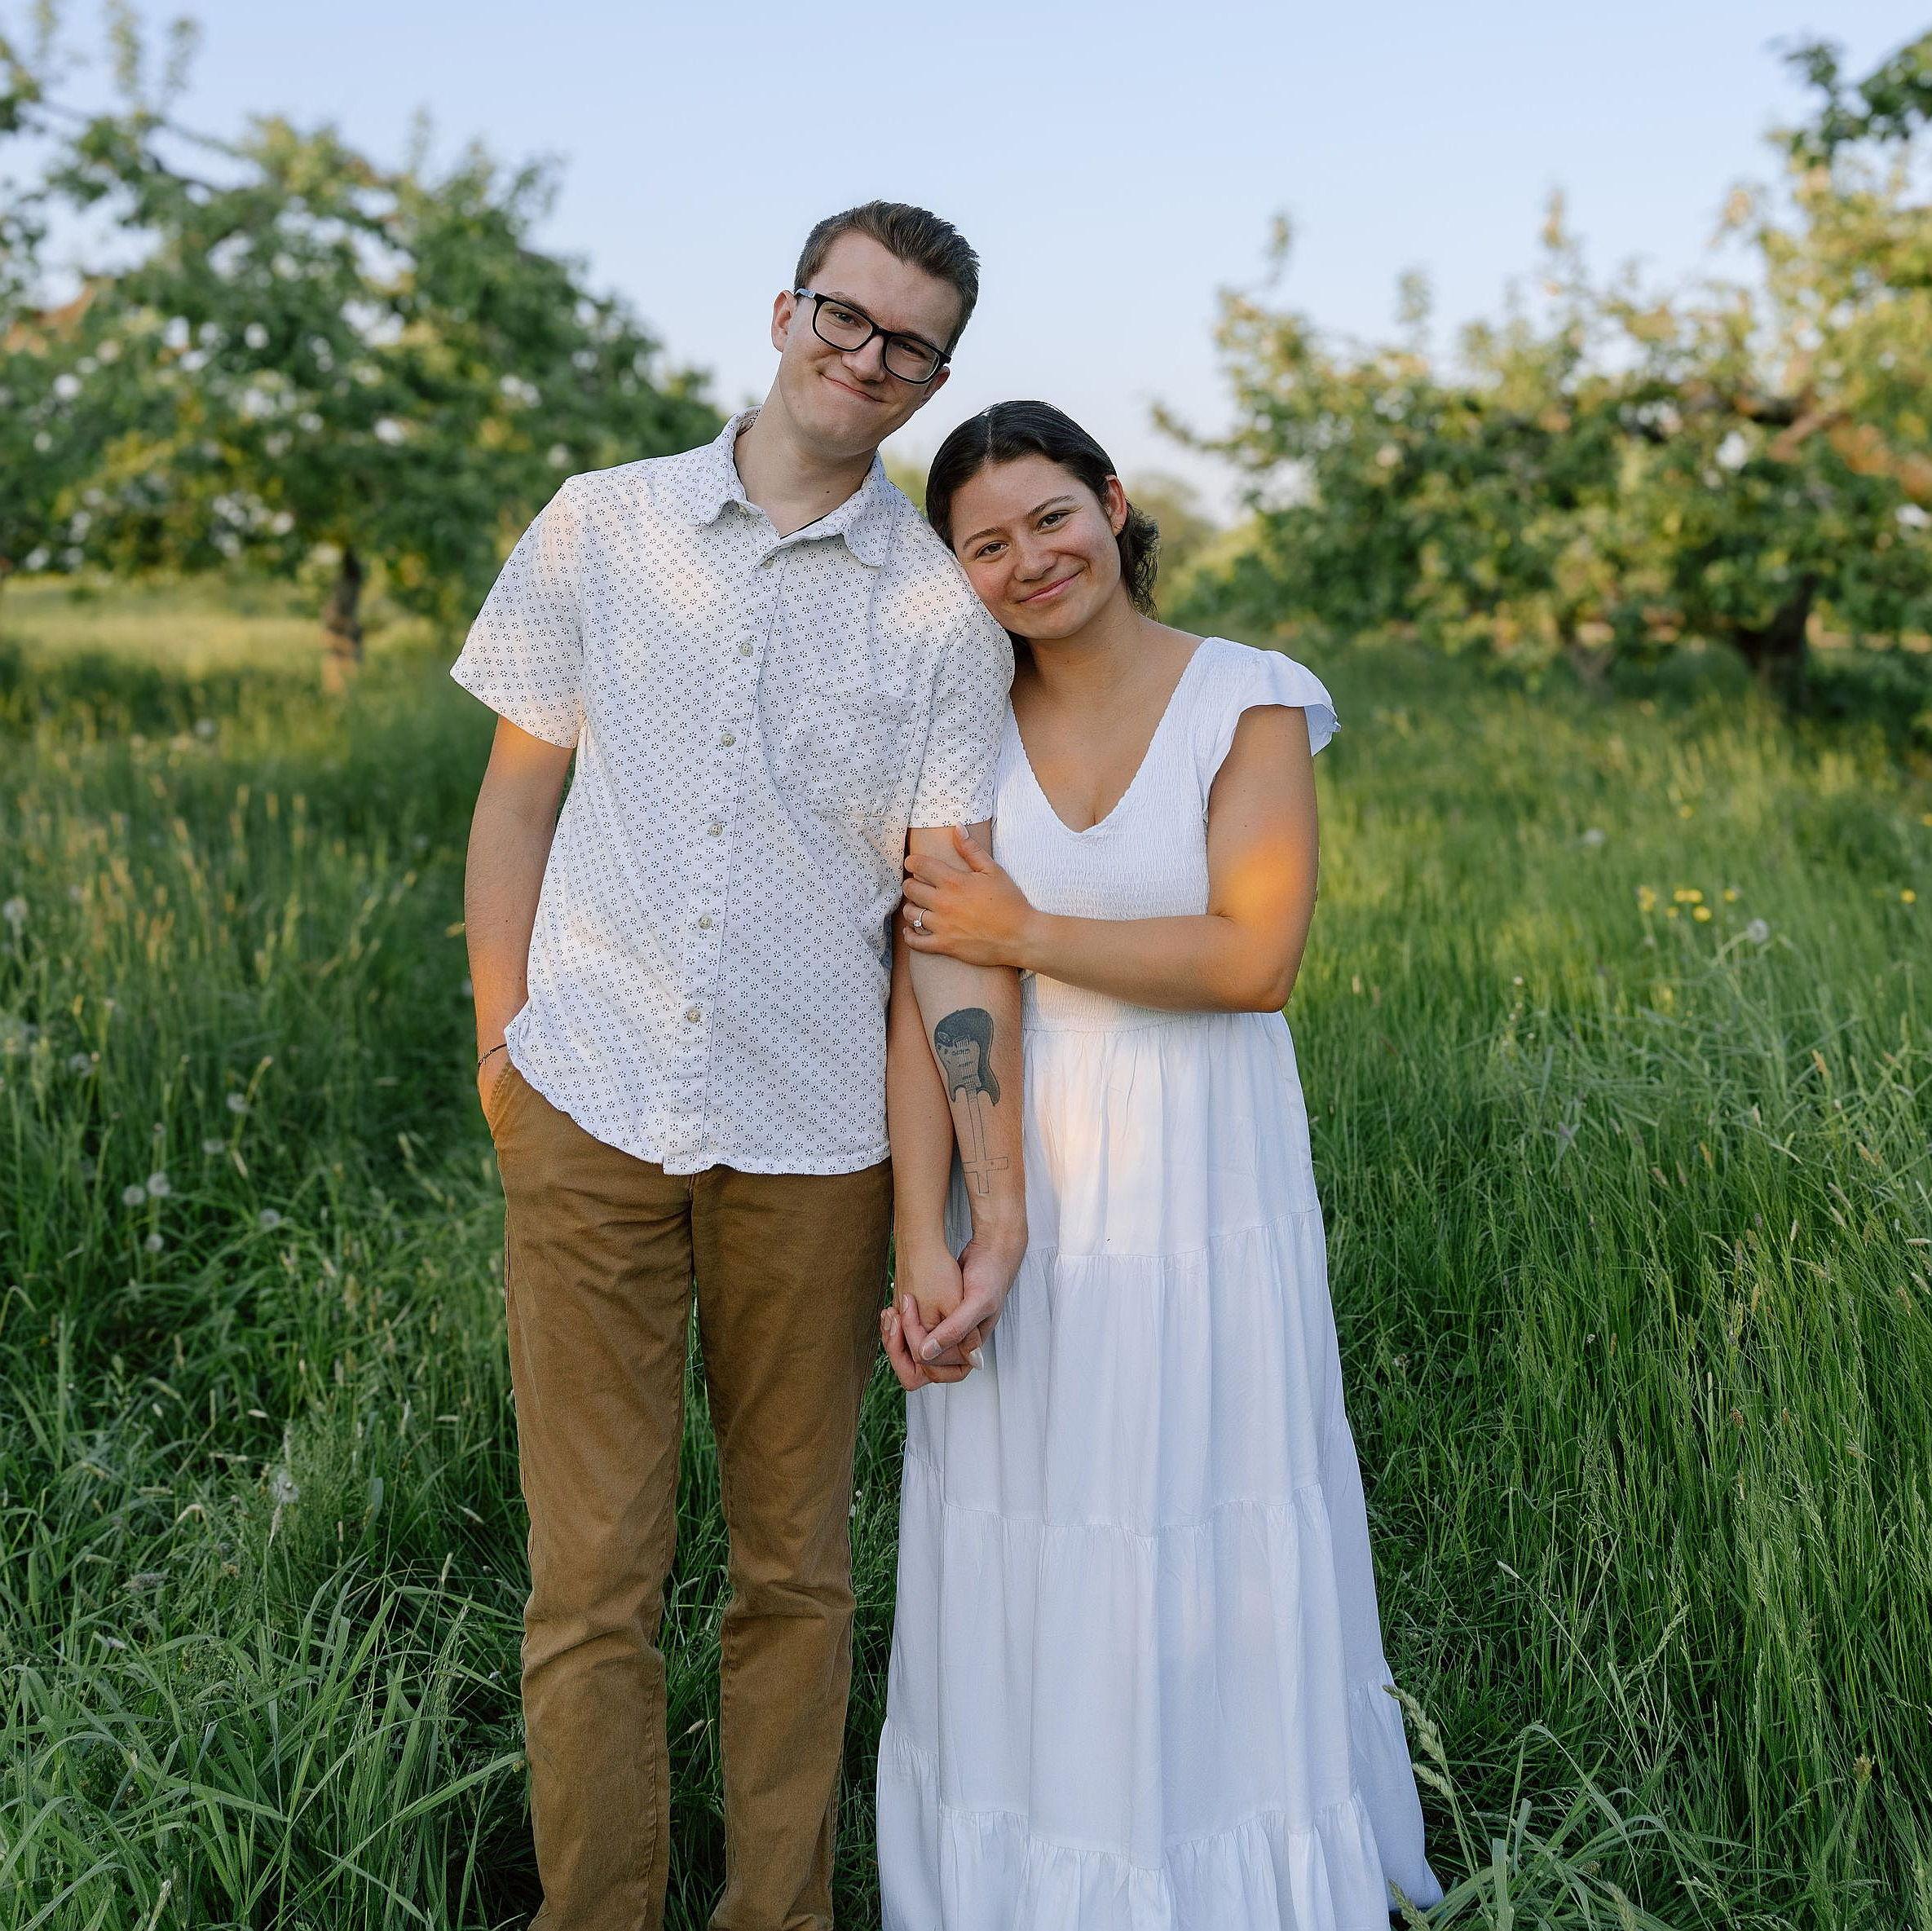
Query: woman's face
pixel 1038 544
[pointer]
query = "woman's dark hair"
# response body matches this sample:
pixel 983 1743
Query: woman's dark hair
pixel 1009 431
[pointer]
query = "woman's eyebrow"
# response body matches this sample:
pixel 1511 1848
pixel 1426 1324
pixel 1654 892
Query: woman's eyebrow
pixel 1038 509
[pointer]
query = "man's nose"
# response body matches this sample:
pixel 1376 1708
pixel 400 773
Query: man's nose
pixel 868 363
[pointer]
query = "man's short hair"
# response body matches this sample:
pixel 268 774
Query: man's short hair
pixel 917 238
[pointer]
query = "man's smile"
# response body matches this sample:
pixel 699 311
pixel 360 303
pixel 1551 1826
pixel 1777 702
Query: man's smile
pixel 864 395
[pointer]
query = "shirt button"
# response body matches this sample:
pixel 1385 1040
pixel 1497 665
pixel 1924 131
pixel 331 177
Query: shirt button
pixel 744 649
pixel 728 740
pixel 693 1014
pixel 704 922
pixel 717 831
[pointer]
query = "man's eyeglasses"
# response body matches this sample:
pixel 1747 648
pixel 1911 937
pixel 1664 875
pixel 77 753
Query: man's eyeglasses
pixel 850 329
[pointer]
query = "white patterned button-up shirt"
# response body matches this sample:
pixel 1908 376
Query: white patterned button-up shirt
pixel 758 720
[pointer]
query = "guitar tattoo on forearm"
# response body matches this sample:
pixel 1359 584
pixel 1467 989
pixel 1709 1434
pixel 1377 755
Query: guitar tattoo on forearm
pixel 963 1043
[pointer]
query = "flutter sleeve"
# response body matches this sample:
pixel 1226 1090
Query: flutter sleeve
pixel 1249 677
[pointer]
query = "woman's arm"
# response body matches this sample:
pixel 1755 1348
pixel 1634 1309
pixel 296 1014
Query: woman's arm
pixel 1241 955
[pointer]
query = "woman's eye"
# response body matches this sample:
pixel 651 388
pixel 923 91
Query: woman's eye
pixel 1054 515
pixel 980 556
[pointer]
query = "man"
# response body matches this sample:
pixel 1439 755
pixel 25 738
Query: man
pixel 768 671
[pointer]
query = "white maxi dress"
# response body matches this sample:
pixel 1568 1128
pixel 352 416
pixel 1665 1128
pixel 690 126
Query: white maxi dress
pixel 1137 1681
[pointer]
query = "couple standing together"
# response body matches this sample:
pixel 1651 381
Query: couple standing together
pixel 832 944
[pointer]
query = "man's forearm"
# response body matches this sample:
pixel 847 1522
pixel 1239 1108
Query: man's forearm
pixel 971 1016
pixel 502 881
pixel 918 1122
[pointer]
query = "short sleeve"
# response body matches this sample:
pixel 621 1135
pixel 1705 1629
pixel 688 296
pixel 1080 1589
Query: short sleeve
pixel 957 777
pixel 524 654
pixel 1262 677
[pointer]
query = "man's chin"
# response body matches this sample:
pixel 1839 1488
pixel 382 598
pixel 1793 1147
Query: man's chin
pixel 842 419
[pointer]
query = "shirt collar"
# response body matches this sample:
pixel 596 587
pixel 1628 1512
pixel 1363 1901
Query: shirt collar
pixel 865 519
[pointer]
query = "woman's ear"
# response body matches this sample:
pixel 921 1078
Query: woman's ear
pixel 1115 504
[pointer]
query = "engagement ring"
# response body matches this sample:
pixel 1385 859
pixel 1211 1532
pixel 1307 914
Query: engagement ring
pixel 919 922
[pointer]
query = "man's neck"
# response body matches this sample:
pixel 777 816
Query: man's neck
pixel 792 483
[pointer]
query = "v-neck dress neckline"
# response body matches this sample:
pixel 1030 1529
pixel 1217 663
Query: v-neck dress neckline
pixel 1147 756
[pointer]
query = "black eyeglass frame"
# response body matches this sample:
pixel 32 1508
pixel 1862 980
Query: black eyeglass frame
pixel 892 335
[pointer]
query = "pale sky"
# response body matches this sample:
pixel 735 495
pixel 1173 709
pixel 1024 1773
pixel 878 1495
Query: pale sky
pixel 1114 162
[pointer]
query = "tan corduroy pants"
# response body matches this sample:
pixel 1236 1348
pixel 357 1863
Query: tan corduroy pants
pixel 602 1252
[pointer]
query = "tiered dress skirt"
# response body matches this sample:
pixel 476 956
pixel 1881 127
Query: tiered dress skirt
pixel 1137 1681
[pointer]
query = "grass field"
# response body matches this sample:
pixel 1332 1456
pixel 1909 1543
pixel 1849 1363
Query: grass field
pixel 1613 1025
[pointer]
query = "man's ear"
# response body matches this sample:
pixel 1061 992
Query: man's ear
pixel 783 308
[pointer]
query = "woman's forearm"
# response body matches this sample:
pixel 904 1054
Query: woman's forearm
pixel 1204 963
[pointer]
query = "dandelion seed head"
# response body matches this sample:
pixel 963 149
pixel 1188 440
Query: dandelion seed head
pixel 212 1145
pixel 134 1196
pixel 236 1103
pixel 268 1219
pixel 154 1243
pixel 159 1186
pixel 1595 835
pixel 203 727
pixel 15 911
pixel 80 1062
pixel 1758 933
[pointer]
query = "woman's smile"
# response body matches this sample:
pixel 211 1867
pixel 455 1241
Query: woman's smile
pixel 1052 589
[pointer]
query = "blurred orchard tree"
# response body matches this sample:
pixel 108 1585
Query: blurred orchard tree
pixel 62 399
pixel 1187 529
pixel 1610 472
pixel 337 360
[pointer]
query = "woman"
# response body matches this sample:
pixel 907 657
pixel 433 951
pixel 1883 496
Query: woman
pixel 1136 1676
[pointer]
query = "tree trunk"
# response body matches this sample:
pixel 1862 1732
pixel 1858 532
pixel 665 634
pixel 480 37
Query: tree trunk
pixel 342 626
pixel 1589 662
pixel 1776 652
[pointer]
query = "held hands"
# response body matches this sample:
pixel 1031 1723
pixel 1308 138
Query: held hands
pixel 980 1280
pixel 930 1287
pixel 971 911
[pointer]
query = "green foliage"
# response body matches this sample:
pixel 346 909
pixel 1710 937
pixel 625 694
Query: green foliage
pixel 1615 1046
pixel 1187 531
pixel 312 351
pixel 1607 473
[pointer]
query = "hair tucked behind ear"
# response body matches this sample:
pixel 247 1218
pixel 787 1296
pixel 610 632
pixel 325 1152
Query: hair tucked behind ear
pixel 1009 431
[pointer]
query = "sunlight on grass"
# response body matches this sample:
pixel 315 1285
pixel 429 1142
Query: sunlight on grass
pixel 1612 1027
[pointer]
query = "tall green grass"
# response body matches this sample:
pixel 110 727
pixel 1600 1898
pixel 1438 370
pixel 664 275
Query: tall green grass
pixel 1631 1238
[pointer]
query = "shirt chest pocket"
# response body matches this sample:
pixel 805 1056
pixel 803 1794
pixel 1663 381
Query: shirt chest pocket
pixel 845 747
